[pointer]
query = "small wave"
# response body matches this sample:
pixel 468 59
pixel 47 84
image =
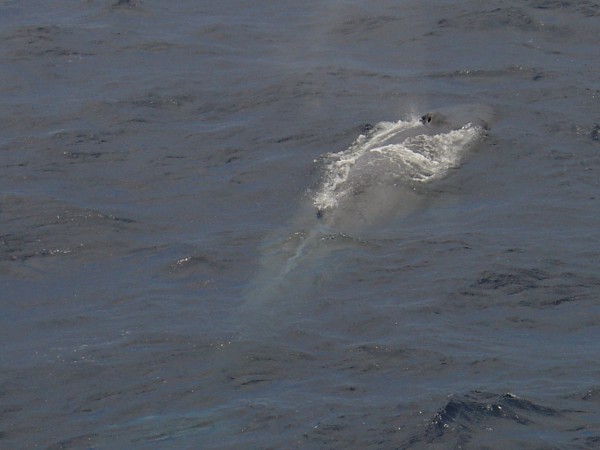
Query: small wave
pixel 469 421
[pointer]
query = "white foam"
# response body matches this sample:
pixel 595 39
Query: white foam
pixel 394 152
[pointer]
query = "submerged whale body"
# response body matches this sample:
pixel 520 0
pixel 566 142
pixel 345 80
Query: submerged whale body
pixel 378 177
pixel 383 169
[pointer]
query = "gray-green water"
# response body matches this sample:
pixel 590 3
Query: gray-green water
pixel 154 154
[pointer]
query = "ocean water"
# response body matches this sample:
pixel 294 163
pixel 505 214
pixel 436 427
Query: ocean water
pixel 159 167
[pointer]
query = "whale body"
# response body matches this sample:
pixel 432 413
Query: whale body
pixel 383 170
pixel 378 177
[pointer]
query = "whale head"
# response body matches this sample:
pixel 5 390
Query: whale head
pixel 457 117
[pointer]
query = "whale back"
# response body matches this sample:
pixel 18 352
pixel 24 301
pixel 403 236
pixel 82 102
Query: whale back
pixel 383 169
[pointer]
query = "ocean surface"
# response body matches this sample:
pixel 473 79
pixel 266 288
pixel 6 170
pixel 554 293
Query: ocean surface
pixel 169 279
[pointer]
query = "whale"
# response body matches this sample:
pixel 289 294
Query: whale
pixel 380 176
pixel 382 172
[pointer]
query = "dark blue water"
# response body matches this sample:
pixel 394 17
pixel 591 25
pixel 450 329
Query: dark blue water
pixel 158 161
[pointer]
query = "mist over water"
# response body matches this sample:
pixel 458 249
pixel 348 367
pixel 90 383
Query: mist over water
pixel 165 280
